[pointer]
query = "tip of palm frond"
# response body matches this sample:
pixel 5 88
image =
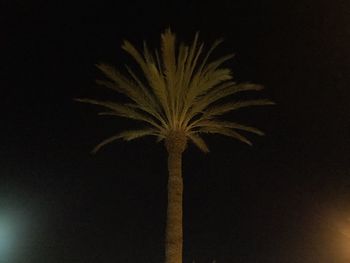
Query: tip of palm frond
pixel 126 45
pixel 253 130
pixel 205 151
pixel 244 140
pixel 168 30
pixel 251 86
pixel 256 131
pixel 261 133
pixel 262 102
pixel 197 34
pixel 159 139
pixel 105 113
pixel 218 41
pixel 199 142
pixel 85 100
pixel 125 42
pixel 102 66
pixel 100 82
pixel 94 151
pixel 79 99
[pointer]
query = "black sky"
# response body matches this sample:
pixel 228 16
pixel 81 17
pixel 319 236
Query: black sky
pixel 267 203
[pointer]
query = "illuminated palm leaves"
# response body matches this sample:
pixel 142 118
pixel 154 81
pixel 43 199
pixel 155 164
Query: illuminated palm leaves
pixel 179 91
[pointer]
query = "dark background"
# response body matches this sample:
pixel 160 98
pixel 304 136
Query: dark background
pixel 269 203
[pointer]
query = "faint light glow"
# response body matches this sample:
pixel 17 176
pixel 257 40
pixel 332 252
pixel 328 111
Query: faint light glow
pixel 343 226
pixel 7 235
pixel 11 233
pixel 338 237
pixel 333 240
pixel 23 222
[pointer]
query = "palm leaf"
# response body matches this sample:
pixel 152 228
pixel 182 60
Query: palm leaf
pixel 135 54
pixel 205 59
pixel 216 64
pixel 225 124
pixel 222 91
pixel 210 82
pixel 158 85
pixel 199 142
pixel 227 107
pixel 226 89
pixel 146 91
pixel 201 84
pixel 153 75
pixel 127 136
pixel 189 64
pixel 180 72
pixel 148 103
pixel 169 60
pixel 159 63
pixel 198 75
pixel 126 111
pixel 225 132
pixel 136 92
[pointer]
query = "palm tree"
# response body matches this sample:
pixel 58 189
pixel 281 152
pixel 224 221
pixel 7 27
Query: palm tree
pixel 177 98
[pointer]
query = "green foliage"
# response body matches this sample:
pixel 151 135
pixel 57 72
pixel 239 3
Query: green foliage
pixel 180 90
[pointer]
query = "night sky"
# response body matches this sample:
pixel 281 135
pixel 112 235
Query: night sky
pixel 278 201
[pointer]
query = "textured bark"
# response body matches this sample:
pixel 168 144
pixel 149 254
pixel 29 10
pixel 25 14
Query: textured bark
pixel 175 145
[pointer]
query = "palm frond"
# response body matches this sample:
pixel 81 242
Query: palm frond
pixel 135 54
pixel 180 74
pixel 189 65
pixel 158 85
pixel 188 76
pixel 224 90
pixel 203 82
pixel 209 52
pixel 169 59
pixel 224 124
pixel 147 54
pixel 192 53
pixel 126 111
pixel 227 107
pixel 159 63
pixel 153 75
pixel 145 101
pixel 225 132
pixel 209 68
pixel 210 82
pixel 194 63
pixel 134 91
pixel 211 76
pixel 199 142
pixel 127 136
pixel 145 90
pixel 199 74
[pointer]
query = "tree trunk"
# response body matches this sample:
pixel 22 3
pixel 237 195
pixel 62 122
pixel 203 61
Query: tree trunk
pixel 175 145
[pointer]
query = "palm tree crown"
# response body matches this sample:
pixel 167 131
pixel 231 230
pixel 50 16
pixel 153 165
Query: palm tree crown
pixel 181 92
